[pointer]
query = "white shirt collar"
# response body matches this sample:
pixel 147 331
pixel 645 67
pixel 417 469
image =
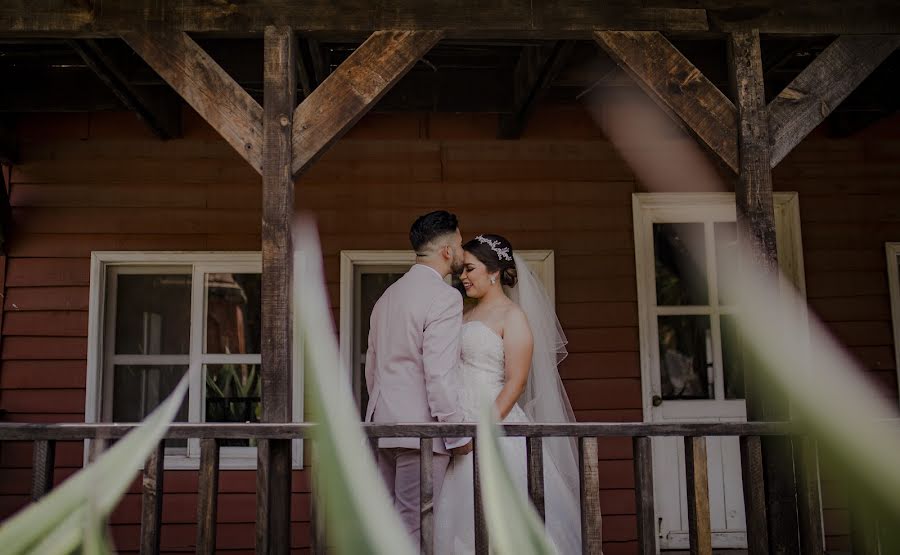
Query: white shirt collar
pixel 438 274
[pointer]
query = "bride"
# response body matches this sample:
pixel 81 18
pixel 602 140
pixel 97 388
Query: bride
pixel 511 345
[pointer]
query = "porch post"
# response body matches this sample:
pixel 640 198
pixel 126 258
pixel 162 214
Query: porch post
pixel 273 476
pixel 756 234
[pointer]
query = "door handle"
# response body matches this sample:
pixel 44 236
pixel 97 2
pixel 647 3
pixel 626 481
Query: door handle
pixel 656 400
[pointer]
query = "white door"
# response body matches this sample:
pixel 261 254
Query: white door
pixel 691 370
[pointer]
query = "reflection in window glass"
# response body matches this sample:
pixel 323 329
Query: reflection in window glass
pixel 680 261
pixel 153 314
pixel 233 313
pixel 726 257
pixel 372 286
pixel 685 356
pixel 137 390
pixel 732 360
pixel 232 395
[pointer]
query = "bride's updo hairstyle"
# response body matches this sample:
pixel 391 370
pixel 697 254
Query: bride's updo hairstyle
pixel 496 253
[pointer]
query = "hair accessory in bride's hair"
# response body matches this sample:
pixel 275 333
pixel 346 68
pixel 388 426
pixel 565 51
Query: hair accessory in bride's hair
pixel 502 253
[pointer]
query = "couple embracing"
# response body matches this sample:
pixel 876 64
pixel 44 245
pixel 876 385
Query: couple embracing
pixel 429 360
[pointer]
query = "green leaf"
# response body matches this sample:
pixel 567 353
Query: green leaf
pixel 514 527
pixel 56 522
pixel 356 501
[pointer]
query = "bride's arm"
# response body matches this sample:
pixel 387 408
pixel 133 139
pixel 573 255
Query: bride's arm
pixel 517 346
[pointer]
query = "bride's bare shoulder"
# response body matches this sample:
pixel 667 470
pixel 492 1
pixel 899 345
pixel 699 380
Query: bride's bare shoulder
pixel 514 317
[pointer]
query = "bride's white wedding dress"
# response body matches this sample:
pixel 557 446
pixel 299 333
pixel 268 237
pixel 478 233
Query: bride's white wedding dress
pixel 482 375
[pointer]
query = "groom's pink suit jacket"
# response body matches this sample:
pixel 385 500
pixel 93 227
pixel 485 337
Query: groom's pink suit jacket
pixel 413 354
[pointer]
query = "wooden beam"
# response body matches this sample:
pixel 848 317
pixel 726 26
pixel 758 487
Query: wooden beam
pixel 756 237
pixel 43 461
pixel 643 495
pixel 591 519
pixel 550 19
pixel 537 69
pixel 678 87
pixel 821 87
pixel 206 87
pixel 152 500
pixel 274 456
pixel 753 481
pixel 697 485
pixel 161 112
pixel 353 89
pixel 207 496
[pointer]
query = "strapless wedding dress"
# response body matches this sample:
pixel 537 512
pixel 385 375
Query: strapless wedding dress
pixel 482 375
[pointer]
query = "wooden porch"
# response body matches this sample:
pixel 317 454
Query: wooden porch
pixel 281 139
pixel 271 437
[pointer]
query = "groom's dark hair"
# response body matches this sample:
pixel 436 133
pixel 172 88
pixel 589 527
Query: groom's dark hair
pixel 431 226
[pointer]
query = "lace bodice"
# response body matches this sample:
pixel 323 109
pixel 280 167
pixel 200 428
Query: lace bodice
pixel 482 369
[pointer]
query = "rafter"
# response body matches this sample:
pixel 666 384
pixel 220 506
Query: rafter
pixel 821 87
pixel 353 89
pixel 678 87
pixel 160 112
pixel 204 85
pixel 537 68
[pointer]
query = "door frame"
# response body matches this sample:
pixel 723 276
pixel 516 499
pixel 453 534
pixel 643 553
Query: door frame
pixel 648 208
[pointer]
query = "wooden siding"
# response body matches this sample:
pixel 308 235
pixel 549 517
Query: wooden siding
pixel 103 182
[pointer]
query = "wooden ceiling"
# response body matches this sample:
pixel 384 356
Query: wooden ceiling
pixel 505 77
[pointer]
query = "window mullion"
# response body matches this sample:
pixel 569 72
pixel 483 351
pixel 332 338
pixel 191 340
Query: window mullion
pixel 195 367
pixel 712 272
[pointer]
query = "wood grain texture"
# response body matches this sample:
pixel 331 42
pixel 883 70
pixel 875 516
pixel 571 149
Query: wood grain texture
pixel 591 519
pixel 699 527
pixel 43 462
pixel 752 478
pixel 678 87
pixel 821 87
pixel 204 85
pixel 643 495
pixel 534 452
pixel 756 236
pixel 207 497
pixel 467 19
pixel 181 430
pixel 152 501
pixel 353 89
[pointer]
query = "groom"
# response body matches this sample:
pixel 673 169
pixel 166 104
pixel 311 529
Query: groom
pixel 412 358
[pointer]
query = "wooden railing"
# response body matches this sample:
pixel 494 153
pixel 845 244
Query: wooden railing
pixel 44 438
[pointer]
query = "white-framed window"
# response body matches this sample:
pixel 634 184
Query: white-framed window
pixel 893 268
pixel 366 274
pixel 155 316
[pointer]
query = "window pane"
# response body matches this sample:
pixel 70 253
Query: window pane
pixel 685 355
pixel 137 390
pixel 233 313
pixel 726 257
pixel 232 395
pixel 153 314
pixel 372 286
pixel 680 260
pixel 732 360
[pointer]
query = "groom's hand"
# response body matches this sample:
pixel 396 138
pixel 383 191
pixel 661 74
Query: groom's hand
pixel 461 450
